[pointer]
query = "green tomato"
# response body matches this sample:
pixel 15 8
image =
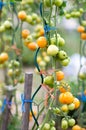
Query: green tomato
pixel 2 28
pixel 71 122
pixel 81 10
pixel 16 64
pixel 7 24
pixel 84 22
pixel 52 50
pixel 62 55
pixel 73 14
pixel 52 123
pixel 47 59
pixel 65 62
pixel 10 65
pixel 47 3
pixel 34 16
pixel 29 19
pixel 82 76
pixel 10 72
pixel 29 39
pixel 68 16
pixel 17 72
pixel 30 1
pixel 58 2
pixel 61 41
pixel 46 126
pixel 53 128
pixel 53 40
pixel 77 14
pixel 21 79
pixel 49 80
pixel 71 106
pixel 64 124
pixel 57 110
pixel 42 63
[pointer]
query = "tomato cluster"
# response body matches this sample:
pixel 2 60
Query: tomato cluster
pixel 6 26
pixel 82 31
pixel 31 19
pixel 15 72
pixel 74 13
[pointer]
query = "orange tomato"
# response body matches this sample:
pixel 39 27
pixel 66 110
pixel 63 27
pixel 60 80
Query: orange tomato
pixel 66 98
pixel 83 36
pixel 83 129
pixel 76 102
pixel 32 46
pixel 41 32
pixel 25 33
pixel 22 15
pixel 64 89
pixel 42 42
pixel 61 98
pixel 59 75
pixel 3 57
pixel 80 29
pixel 76 127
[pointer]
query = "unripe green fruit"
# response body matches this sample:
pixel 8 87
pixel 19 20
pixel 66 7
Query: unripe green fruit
pixel 52 50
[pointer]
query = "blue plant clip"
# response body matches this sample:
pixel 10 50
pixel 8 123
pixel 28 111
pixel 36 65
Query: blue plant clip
pixel 47 28
pixel 4 3
pixel 3 106
pixel 82 97
pixel 1 5
pixel 24 101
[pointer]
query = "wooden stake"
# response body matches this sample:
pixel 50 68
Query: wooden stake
pixel 27 95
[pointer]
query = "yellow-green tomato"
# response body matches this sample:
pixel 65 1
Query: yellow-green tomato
pixel 81 10
pixel 34 16
pixel 16 64
pixel 42 63
pixel 58 2
pixel 30 1
pixel 29 19
pixel 61 41
pixel 71 122
pixel 65 62
pixel 53 128
pixel 17 72
pixel 52 123
pixel 46 126
pixel 52 50
pixel 53 40
pixel 84 22
pixel 47 3
pixel 49 80
pixel 47 59
pixel 64 124
pixel 68 16
pixel 77 14
pixel 62 55
pixel 71 106
pixel 2 28
pixel 21 79
pixel 10 72
pixel 7 24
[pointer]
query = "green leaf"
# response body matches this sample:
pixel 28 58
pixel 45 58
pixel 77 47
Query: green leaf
pixel 64 4
pixel 61 12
